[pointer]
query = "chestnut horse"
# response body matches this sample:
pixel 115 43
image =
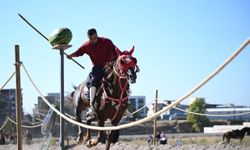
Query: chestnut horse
pixel 111 97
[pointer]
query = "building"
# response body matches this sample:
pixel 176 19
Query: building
pixel 171 114
pixel 227 111
pixel 174 114
pixel 8 101
pixel 136 102
pixel 42 107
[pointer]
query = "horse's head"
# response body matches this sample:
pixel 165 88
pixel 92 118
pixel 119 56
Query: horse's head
pixel 248 131
pixel 126 65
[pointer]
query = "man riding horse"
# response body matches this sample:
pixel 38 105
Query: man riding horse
pixel 101 51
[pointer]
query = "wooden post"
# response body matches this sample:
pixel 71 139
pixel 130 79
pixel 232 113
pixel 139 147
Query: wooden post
pixel 155 119
pixel 61 48
pixel 18 99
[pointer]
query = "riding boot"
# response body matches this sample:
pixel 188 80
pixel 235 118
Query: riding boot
pixel 128 114
pixel 91 110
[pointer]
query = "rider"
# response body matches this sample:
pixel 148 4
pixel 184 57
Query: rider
pixel 100 50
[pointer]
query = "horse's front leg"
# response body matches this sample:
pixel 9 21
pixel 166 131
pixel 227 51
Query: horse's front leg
pixel 111 137
pixel 241 140
pixel 100 137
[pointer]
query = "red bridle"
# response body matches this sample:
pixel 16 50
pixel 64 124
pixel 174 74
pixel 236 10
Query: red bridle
pixel 121 101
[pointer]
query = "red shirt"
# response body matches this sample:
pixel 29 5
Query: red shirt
pixel 100 53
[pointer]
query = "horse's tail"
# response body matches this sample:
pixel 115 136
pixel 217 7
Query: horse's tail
pixel 224 136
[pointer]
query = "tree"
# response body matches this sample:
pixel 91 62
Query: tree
pixel 28 117
pixel 198 106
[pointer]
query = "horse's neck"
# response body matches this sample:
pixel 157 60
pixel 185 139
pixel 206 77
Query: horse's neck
pixel 244 130
pixel 113 85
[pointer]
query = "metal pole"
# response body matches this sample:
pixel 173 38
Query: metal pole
pixel 155 119
pixel 18 99
pixel 62 100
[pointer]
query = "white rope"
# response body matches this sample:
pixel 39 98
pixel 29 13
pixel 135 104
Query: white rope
pixel 84 121
pixel 25 126
pixel 40 114
pixel 136 111
pixel 4 124
pixel 39 119
pixel 12 75
pixel 212 115
pixel 188 94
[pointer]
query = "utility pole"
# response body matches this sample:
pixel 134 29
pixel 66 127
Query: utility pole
pixel 18 99
pixel 155 118
pixel 62 48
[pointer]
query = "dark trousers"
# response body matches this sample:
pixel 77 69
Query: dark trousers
pixel 95 77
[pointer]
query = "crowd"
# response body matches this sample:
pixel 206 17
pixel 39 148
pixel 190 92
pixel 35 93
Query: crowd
pixel 8 138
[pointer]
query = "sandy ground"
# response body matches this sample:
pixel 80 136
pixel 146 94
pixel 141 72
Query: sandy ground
pixel 122 146
pixel 132 143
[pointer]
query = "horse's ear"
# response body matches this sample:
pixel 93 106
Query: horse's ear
pixel 132 50
pixel 72 93
pixel 118 51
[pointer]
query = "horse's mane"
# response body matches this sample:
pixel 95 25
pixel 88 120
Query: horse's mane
pixel 108 68
pixel 110 76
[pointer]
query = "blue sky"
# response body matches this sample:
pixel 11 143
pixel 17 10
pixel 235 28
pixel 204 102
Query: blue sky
pixel 178 43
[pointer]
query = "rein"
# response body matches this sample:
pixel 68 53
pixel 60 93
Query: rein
pixel 121 101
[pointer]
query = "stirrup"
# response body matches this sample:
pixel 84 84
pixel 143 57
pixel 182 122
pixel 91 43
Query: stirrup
pixel 91 113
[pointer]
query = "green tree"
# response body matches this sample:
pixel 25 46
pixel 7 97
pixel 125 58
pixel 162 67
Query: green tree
pixel 28 117
pixel 198 106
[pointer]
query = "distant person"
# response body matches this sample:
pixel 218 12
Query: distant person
pixel 163 139
pixel 178 142
pixel 28 137
pixel 13 139
pixel 150 139
pixel 2 138
pixel 157 136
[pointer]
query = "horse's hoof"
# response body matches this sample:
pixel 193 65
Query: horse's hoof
pixel 79 140
pixel 89 144
pixel 86 139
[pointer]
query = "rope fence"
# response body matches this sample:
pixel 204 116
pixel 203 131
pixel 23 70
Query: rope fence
pixel 84 121
pixel 188 94
pixel 212 115
pixel 4 124
pixel 26 126
pixel 23 126
pixel 12 75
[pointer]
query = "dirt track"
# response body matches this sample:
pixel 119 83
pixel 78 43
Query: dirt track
pixel 122 146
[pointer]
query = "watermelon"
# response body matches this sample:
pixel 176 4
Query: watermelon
pixel 60 36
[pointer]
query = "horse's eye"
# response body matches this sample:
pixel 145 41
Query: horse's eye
pixel 122 62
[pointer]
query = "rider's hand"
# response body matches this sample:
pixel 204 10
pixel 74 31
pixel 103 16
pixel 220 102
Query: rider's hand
pixel 70 56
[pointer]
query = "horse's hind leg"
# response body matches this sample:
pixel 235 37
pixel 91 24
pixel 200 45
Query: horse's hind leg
pixel 79 110
pixel 88 134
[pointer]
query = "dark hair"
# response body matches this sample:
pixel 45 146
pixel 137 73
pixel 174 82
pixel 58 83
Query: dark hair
pixel 92 31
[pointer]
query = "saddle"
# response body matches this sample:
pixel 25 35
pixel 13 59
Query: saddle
pixel 85 93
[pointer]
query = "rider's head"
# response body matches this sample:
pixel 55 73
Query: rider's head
pixel 92 35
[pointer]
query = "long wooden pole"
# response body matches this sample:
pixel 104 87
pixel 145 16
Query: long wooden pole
pixel 18 98
pixel 155 119
pixel 25 20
